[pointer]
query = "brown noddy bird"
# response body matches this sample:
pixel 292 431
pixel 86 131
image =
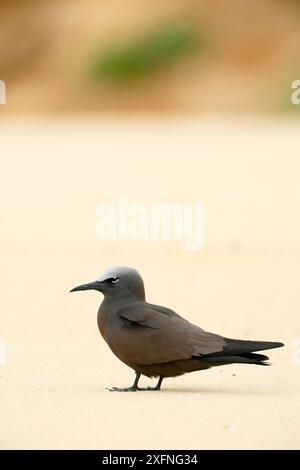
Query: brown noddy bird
pixel 157 342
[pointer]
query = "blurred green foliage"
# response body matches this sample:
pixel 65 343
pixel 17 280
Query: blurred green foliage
pixel 132 60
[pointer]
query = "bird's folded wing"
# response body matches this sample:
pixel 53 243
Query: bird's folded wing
pixel 150 336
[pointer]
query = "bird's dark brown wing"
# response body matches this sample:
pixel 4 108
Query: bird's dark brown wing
pixel 150 336
pixel 165 310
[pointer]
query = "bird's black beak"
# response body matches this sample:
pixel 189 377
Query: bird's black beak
pixel 96 285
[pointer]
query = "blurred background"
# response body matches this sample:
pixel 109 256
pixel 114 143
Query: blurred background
pixel 136 55
pixel 161 101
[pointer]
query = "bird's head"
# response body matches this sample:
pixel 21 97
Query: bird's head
pixel 118 281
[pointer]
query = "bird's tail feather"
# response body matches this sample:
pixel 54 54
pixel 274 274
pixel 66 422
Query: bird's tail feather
pixel 247 358
pixel 237 347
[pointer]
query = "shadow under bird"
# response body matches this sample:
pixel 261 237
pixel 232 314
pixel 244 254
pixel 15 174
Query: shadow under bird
pixel 157 342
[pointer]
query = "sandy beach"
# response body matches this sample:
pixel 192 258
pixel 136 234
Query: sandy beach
pixel 244 282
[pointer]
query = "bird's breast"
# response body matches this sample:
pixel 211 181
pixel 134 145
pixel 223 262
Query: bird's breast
pixel 103 323
pixel 109 324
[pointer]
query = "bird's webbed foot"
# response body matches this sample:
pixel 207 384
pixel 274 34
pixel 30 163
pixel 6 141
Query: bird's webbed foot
pixel 123 389
pixel 134 387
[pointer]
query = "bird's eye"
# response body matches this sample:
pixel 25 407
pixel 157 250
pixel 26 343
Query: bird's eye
pixel 112 280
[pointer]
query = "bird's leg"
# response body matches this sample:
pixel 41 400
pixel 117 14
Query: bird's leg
pixel 133 388
pixel 157 387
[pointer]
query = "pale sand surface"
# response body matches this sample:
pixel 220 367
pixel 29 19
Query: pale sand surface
pixel 243 283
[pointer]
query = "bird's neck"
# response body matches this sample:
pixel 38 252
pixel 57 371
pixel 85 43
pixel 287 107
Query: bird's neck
pixel 119 301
